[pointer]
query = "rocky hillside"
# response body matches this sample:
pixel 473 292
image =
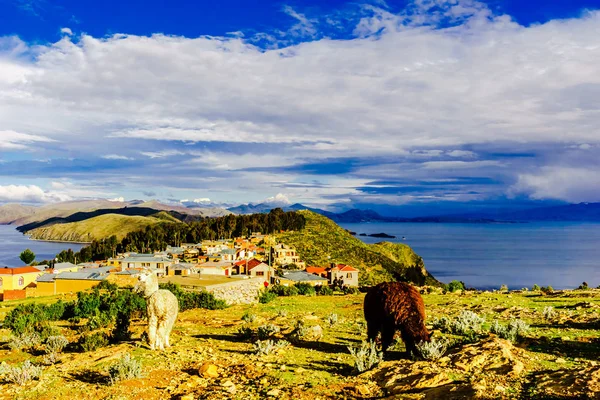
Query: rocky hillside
pixel 10 213
pixel 323 241
pixel 99 227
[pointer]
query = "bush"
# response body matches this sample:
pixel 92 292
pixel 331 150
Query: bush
pixel 513 331
pixel 366 356
pixel 267 331
pixel 266 347
pixel 300 330
pixel 248 317
pixel 467 323
pixel 535 288
pixel 282 313
pixel 54 345
pixel 504 288
pixel 126 368
pixel 32 317
pixel 549 313
pixel 244 333
pixel 433 350
pixel 25 341
pixel 305 289
pixel 547 289
pixel 281 290
pixel 455 286
pixel 442 324
pixel 583 286
pixel 324 290
pixel 92 341
pixel 22 374
pixel 350 290
pixel 332 319
pixel 267 296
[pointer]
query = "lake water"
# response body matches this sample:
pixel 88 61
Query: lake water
pixel 13 242
pixel 485 256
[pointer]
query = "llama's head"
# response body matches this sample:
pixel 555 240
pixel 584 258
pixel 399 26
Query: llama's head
pixel 147 283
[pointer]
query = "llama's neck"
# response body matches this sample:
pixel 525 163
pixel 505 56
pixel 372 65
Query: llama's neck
pixel 151 286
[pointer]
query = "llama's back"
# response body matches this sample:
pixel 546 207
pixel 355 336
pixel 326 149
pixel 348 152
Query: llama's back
pixel 163 303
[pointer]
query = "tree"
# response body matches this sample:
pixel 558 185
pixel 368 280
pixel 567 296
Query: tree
pixel 27 256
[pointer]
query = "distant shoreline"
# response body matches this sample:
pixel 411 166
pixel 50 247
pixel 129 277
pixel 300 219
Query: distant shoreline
pixel 55 241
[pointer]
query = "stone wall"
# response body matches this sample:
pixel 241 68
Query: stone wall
pixel 243 291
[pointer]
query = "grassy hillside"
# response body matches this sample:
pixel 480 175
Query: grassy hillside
pixel 323 241
pixel 98 227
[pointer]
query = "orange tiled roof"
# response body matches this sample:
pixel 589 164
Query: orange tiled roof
pixel 315 270
pixel 19 270
pixel 345 268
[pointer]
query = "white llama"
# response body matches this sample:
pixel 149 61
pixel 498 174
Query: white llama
pixel 162 308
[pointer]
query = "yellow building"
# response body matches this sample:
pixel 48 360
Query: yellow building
pixel 17 278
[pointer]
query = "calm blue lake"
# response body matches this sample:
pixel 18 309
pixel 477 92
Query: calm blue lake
pixel 485 256
pixel 13 242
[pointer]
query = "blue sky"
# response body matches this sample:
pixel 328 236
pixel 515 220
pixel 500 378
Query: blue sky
pixel 450 104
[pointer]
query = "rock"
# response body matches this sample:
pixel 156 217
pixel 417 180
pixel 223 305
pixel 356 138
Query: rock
pixel 227 383
pixel 580 384
pixel 560 360
pixel 208 370
pixel 274 393
pixel 314 333
pixel 300 370
pixel 493 355
pixel 283 368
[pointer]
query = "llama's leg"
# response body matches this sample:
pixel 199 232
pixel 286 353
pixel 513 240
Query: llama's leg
pixel 387 335
pixel 152 326
pixel 170 324
pixel 161 333
pixel 373 328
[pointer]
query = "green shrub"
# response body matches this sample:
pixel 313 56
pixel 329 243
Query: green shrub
pixel 332 319
pixel 547 289
pixel 92 341
pixel 267 331
pixel 442 324
pixel 125 368
pixel 324 290
pixel 244 333
pixel 26 341
pixel 366 356
pixel 32 317
pixel 513 331
pixel 455 286
pixel 282 290
pixel 504 288
pixel 433 350
pixel 467 323
pixel 266 347
pixel 305 289
pixel 549 313
pixel 350 290
pixel 535 288
pixel 248 317
pixel 583 286
pixel 54 346
pixel 23 374
pixel 267 296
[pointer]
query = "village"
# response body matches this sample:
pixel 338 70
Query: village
pixel 208 265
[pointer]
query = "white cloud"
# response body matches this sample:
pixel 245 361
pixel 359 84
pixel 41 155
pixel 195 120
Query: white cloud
pixel 30 194
pixel 116 157
pixel 11 140
pixel 162 154
pixel 563 183
pixel 117 200
pixel 202 200
pixel 461 154
pixel 279 198
pixel 66 31
pixel 461 164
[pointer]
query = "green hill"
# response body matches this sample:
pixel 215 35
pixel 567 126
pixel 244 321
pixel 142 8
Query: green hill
pixel 98 228
pixel 322 241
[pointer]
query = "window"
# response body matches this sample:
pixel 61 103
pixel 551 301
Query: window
pixel 349 275
pixel 21 281
pixel 260 273
pixel 1 282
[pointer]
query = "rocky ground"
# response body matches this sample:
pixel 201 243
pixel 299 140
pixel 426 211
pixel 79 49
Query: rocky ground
pixel 556 359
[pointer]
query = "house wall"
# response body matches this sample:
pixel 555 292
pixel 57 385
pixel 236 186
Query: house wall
pixel 349 278
pixel 212 271
pixel 74 286
pixel 288 282
pixel 11 282
pixel 45 289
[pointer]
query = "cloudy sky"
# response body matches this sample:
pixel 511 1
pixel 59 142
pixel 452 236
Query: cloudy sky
pixel 328 103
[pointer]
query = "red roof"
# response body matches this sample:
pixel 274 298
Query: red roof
pixel 19 270
pixel 315 270
pixel 345 268
pixel 250 263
